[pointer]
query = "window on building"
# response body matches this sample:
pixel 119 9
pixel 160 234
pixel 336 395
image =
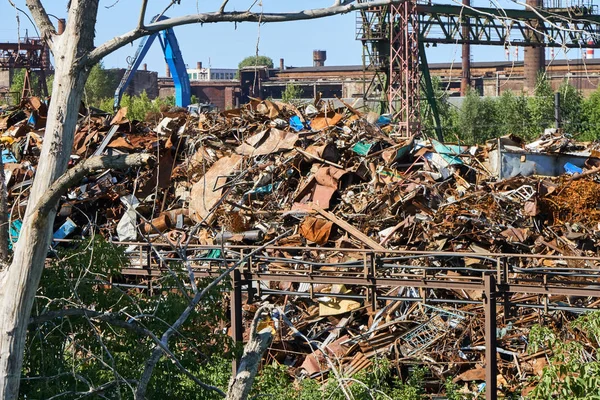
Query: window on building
pixel 190 76
pixel 195 75
pixel 212 76
pixel 221 76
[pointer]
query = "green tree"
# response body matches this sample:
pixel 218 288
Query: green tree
pixel 100 85
pixel 291 93
pixel 571 104
pixel 478 119
pixel 573 371
pixel 87 333
pixel 541 108
pixel 447 112
pixel 374 383
pixel 18 80
pixel 591 117
pixel 515 114
pixel 256 61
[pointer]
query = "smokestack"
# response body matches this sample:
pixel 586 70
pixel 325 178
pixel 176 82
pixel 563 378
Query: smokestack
pixel 465 82
pixel 168 70
pixel 60 27
pixel 535 57
pixel 281 64
pixel 199 65
pixel 319 57
pixel 145 67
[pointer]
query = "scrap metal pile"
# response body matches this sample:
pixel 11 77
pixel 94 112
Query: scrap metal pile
pixel 330 177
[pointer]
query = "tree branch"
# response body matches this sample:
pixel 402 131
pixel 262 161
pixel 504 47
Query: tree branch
pixel 142 14
pixel 258 343
pixel 236 16
pixel 110 318
pixel 151 363
pixel 42 20
pixel 75 174
pixel 222 8
pixel 113 319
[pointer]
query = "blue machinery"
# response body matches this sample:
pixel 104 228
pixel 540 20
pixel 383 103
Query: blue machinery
pixel 174 59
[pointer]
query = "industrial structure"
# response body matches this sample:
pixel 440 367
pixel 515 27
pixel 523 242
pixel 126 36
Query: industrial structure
pixel 30 54
pixel 209 74
pixel 394 37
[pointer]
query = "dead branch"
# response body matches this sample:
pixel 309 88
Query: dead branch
pixel 75 174
pixel 111 318
pixel 142 14
pixel 258 343
pixel 235 16
pixel 157 352
pixel 222 8
pixel 114 320
pixel 42 20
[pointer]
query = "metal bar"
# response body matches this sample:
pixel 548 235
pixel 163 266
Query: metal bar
pixel 491 363
pixel 236 314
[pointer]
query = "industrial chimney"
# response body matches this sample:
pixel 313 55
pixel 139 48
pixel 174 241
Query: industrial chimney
pixel 319 57
pixel 281 64
pixel 168 71
pixel 199 65
pixel 60 26
pixel 145 67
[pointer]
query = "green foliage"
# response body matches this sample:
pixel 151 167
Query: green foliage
pixel 448 114
pixel 138 107
pixel 514 114
pixel 573 371
pixel 452 391
pixel 252 61
pixel 541 107
pixel 18 80
pixel 67 352
pixel 101 84
pixel 291 93
pixel 571 103
pixel 591 117
pixel 376 382
pixel 478 119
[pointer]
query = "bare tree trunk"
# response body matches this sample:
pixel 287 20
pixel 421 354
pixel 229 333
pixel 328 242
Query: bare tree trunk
pixel 19 282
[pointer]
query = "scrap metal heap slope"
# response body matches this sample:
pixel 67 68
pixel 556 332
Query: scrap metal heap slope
pixel 386 245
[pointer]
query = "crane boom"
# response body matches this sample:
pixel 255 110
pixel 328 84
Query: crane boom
pixel 174 59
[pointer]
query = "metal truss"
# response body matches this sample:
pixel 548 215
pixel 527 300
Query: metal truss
pixel 404 87
pixel 391 35
pixel 491 26
pixel 373 29
pixel 33 55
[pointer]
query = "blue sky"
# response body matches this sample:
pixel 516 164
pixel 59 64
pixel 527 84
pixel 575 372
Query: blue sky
pixel 225 44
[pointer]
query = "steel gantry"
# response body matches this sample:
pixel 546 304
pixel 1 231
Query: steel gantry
pixel 391 37
pixel 31 54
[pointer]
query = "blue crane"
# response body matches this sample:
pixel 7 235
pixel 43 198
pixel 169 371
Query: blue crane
pixel 174 59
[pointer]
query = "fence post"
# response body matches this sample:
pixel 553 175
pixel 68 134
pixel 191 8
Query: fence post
pixel 236 313
pixel 491 362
